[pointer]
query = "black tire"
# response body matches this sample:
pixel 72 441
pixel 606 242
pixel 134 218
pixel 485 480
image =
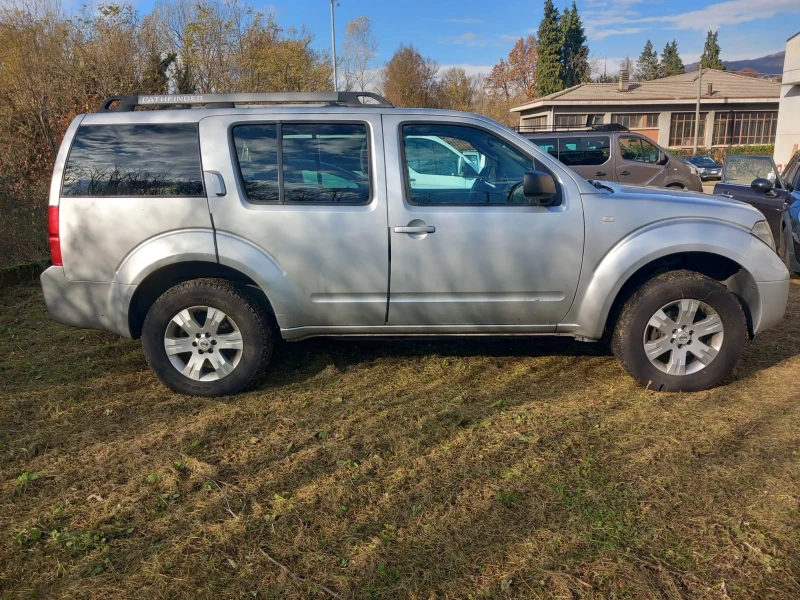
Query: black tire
pixel 240 305
pixel 628 339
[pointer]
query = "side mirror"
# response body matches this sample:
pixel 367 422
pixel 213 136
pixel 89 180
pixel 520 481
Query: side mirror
pixel 761 185
pixel 662 158
pixel 540 187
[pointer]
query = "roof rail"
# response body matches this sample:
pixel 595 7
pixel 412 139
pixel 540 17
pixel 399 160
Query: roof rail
pixel 351 99
pixel 530 129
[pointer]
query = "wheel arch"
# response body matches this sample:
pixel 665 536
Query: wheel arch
pixel 721 268
pixel 168 276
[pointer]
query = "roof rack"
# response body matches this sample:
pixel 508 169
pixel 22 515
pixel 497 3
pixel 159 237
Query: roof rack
pixel 350 99
pixel 560 128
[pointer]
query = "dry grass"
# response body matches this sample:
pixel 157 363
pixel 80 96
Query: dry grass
pixel 423 470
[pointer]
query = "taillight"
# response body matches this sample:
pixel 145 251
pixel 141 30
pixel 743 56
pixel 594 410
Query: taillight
pixel 52 231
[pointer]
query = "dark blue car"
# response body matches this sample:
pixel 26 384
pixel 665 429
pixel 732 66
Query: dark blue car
pixel 755 180
pixel 708 167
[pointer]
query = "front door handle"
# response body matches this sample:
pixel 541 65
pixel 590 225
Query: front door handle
pixel 625 173
pixel 725 195
pixel 415 229
pixel 600 174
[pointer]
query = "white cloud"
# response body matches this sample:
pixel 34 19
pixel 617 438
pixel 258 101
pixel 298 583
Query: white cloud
pixel 732 12
pixel 470 69
pixel 623 19
pixel 465 21
pixel 604 33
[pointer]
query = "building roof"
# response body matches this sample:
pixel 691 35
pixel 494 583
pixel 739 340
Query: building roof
pixel 725 86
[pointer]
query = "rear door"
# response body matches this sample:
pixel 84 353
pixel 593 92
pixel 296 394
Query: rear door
pixel 309 191
pixel 637 161
pixel 588 155
pixel 738 174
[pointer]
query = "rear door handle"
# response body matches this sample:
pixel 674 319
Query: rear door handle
pixel 418 229
pixel 724 195
pixel 625 173
pixel 217 183
pixel 600 174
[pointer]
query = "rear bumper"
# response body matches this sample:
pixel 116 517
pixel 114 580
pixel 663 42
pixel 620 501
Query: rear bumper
pixel 86 304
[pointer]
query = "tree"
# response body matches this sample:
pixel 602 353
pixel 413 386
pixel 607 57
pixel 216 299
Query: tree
pixel 458 91
pixel 710 58
pixel 409 79
pixel 647 65
pixel 548 67
pixel 748 72
pixel 360 50
pixel 498 82
pixel 671 63
pixel 574 51
pixel 517 76
pixel 628 65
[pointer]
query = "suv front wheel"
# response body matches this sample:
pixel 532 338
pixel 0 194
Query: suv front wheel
pixel 207 337
pixel 680 331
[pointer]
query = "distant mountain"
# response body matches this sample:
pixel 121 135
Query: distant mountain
pixel 770 65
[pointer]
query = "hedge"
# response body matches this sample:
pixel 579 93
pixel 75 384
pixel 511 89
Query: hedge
pixel 719 154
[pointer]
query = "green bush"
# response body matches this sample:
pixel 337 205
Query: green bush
pixel 719 154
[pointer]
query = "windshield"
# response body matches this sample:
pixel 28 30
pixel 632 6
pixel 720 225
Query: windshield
pixel 702 160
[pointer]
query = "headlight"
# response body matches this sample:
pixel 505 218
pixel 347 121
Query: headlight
pixel 694 170
pixel 762 231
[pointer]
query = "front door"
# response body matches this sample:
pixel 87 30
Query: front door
pixel 477 255
pixel 739 173
pixel 637 162
pixel 308 192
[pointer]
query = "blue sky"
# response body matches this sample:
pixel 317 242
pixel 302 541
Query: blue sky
pixel 477 33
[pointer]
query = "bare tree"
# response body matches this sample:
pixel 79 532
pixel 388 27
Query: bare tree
pixel 360 50
pixel 459 91
pixel 409 79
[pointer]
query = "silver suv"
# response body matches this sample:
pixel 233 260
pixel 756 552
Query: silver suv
pixel 210 231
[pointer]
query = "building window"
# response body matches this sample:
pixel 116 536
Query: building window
pixel 534 123
pixel 636 120
pixel 745 127
pixel 681 130
pixel 565 121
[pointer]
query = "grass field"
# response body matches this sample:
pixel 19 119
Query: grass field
pixel 482 469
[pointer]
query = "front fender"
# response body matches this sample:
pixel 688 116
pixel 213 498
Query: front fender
pixel 601 282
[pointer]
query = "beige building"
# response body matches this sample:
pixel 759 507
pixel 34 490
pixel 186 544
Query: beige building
pixel 734 110
pixel 787 138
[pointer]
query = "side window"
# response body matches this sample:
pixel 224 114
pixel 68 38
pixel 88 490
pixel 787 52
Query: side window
pixel 649 152
pixel 549 145
pixel 742 169
pixel 430 156
pixel 584 151
pixel 631 148
pixel 318 162
pixel 257 153
pixel 502 167
pixel 325 162
pixel 134 160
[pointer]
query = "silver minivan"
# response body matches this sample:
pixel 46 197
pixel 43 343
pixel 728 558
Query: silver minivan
pixel 220 223
pixel 614 153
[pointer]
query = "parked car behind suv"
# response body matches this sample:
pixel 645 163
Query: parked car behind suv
pixel 707 166
pixel 613 153
pixel 211 232
pixel 755 179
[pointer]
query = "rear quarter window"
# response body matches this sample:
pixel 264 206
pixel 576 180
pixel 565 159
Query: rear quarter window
pixel 134 160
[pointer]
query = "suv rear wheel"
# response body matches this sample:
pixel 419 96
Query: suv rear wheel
pixel 680 331
pixel 207 338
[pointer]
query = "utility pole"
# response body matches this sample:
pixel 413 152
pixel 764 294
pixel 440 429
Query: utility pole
pixel 697 108
pixel 333 37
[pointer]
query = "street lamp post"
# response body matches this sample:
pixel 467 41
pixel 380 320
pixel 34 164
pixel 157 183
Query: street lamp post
pixel 333 38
